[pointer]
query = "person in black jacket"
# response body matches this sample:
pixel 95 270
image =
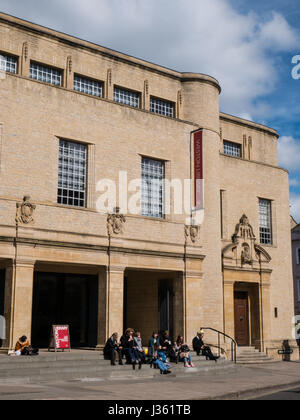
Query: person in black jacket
pixel 199 346
pixel 112 350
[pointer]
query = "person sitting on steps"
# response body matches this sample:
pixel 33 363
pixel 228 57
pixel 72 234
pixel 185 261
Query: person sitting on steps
pixel 184 352
pixel 113 351
pixel 133 352
pixel 206 351
pixel 24 348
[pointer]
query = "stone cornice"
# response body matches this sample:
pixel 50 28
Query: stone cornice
pixel 100 248
pixel 248 124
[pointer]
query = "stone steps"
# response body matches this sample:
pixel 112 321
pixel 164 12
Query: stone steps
pixel 251 356
pixel 56 367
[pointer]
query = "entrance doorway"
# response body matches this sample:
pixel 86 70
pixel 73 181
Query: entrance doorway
pixel 65 299
pixel 241 312
pixel 149 302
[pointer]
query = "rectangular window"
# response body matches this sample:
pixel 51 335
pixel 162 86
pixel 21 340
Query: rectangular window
pixel 72 172
pixel 88 86
pixel 232 149
pixel 127 97
pixel 46 74
pixel 162 107
pixel 265 215
pixel 8 63
pixel 298 283
pixel 153 173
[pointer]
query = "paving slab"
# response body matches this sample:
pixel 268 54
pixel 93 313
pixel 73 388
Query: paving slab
pixel 242 383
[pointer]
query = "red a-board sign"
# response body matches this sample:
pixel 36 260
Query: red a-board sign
pixel 60 338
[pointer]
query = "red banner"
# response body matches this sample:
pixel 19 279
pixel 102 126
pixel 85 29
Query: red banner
pixel 198 169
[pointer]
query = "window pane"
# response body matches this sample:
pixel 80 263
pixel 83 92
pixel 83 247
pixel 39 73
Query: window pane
pixel 152 188
pixel 72 174
pixel 8 63
pixel 161 107
pixel 265 222
pixel 127 97
pixel 88 86
pixel 232 149
pixel 45 74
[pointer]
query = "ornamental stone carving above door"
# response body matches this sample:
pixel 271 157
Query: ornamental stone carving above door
pixel 243 251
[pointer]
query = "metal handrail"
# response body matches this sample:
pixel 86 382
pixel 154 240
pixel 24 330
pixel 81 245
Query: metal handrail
pixel 233 343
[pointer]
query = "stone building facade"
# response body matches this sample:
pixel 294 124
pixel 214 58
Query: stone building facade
pixel 73 113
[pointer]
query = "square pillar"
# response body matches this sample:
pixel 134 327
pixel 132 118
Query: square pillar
pixel 18 302
pixel 229 308
pixel 111 303
pixel 265 314
pixel 115 300
pixel 193 304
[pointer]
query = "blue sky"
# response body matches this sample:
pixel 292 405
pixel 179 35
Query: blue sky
pixel 247 46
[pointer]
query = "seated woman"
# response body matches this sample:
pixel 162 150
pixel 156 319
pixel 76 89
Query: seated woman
pixel 153 344
pixel 131 347
pixel 139 345
pixel 125 350
pixel 112 350
pixel 24 348
pixel 184 352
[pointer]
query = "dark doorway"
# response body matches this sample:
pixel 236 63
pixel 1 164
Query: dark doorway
pixel 241 313
pixel 165 297
pixel 65 299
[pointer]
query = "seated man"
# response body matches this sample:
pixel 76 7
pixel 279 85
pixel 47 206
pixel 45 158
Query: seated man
pixel 206 351
pixel 197 344
pixel 112 351
pixel 24 348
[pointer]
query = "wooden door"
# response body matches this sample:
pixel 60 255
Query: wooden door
pixel 241 311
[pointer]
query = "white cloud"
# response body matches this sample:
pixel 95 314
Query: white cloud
pixel 289 153
pixel 294 182
pixel 207 36
pixel 295 207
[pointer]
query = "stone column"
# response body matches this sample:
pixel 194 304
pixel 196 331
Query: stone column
pixel 265 314
pixel 115 300
pixel 193 304
pixel 229 308
pixel 18 301
pixel 110 303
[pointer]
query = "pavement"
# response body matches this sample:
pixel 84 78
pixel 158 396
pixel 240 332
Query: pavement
pixel 243 383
